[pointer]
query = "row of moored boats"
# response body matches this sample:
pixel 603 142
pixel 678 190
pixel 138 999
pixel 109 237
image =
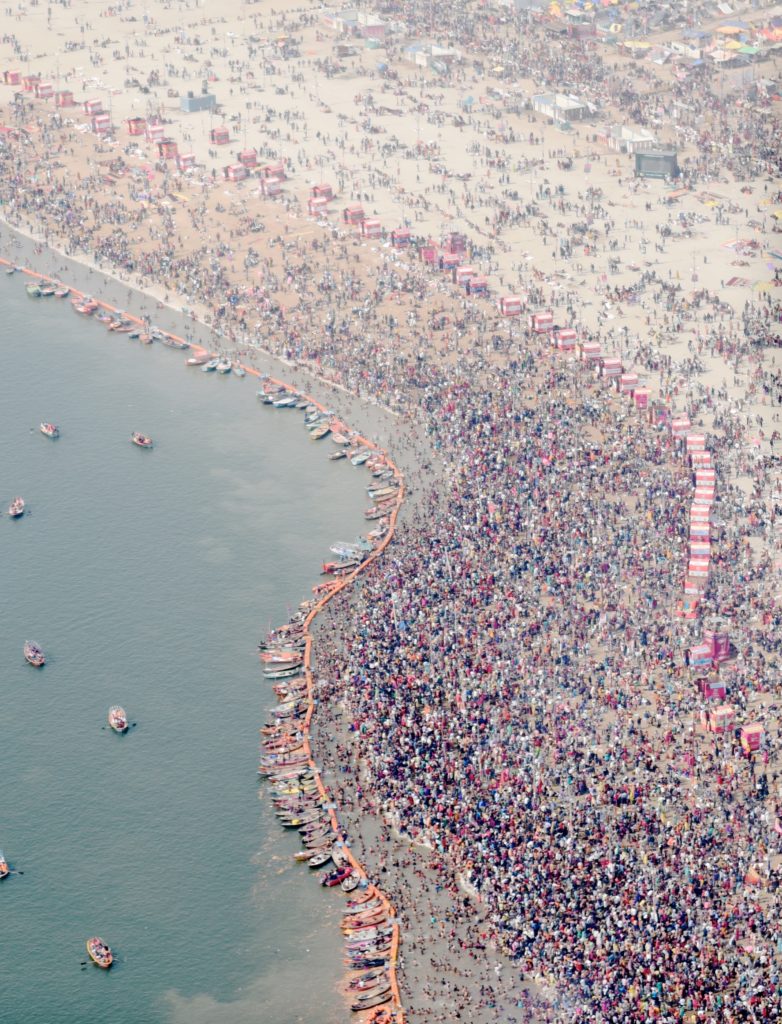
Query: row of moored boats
pixel 299 800
pixel 301 805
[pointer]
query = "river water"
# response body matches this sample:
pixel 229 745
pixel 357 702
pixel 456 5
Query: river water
pixel 148 578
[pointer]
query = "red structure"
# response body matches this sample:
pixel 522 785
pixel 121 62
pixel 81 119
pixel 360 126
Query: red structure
pixel 610 366
pixel 235 172
pixel 400 237
pixel 510 305
pixel 220 136
pixel 29 83
pixel 322 191
pixel 249 158
pixel 590 351
pixel 641 398
pixel 371 228
pixel 155 132
pixel 353 214
pixel 455 242
pixel 44 90
pixel 93 107
pixel 541 323
pixel 566 339
pixel 136 125
pixel 12 77
pixel 101 124
pixel 751 737
pixel 64 98
pixel 317 206
pixel 167 149
pixel 274 171
pixel 680 427
pixel 271 186
pixel 185 161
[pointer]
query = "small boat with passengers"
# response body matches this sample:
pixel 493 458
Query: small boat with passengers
pixel 33 654
pixel 118 720
pixel 16 508
pixel 99 952
pixel 5 870
pixel 50 430
pixel 201 360
pixel 141 440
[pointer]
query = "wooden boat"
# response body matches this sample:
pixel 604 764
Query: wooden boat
pixel 358 907
pixel 320 432
pixel 372 996
pixel 201 360
pixel 99 952
pixel 16 508
pixel 339 568
pixel 141 440
pixel 47 290
pixel 4 868
pixel 318 858
pixel 361 457
pixel 350 883
pixel 375 513
pixel 33 290
pixel 34 654
pixel 171 342
pixel 62 292
pixel 282 673
pixel 285 402
pixel 50 430
pixel 118 720
pixel 347 550
pixel 367 979
pixel 333 878
pixel 382 492
pixel 334 456
pixel 104 317
pixel 340 439
pixel 223 366
pixel 210 366
pixel 239 370
pixel 281 657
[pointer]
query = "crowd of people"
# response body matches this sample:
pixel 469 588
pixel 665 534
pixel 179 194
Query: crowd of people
pixel 513 670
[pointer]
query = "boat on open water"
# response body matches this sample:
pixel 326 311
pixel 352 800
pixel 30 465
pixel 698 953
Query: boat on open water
pixel 16 508
pixel 141 440
pixel 34 654
pixel 5 870
pixel 118 720
pixel 50 430
pixel 99 952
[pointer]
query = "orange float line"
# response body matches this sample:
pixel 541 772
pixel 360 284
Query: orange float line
pixel 317 608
